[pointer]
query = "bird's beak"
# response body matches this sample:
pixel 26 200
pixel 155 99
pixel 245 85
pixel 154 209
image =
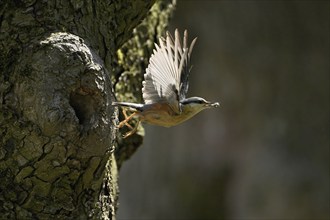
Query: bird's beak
pixel 212 104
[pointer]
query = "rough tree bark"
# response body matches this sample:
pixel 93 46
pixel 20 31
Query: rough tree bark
pixel 57 135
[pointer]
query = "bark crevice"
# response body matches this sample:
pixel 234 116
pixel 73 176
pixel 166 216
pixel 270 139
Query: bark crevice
pixel 57 134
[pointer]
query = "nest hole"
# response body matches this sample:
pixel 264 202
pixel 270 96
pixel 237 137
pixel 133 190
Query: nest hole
pixel 83 106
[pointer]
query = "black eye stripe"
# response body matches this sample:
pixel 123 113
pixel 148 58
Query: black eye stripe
pixel 195 100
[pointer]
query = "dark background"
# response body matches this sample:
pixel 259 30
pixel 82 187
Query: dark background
pixel 265 153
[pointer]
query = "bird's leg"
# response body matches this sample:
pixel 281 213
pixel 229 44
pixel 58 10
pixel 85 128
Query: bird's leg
pixel 125 122
pixel 132 131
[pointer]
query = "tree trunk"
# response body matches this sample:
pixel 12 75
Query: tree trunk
pixel 57 125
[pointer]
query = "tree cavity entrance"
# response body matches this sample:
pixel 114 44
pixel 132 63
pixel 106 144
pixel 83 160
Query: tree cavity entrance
pixel 85 107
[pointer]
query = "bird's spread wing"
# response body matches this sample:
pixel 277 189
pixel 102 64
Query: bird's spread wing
pixel 166 78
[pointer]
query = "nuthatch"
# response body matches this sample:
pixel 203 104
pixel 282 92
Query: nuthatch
pixel 165 87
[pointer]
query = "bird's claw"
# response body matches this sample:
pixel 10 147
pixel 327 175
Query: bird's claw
pixel 125 123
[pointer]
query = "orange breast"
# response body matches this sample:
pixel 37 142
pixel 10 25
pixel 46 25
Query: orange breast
pixel 161 114
pixel 158 114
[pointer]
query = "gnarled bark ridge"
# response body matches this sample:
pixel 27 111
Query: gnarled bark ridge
pixel 57 135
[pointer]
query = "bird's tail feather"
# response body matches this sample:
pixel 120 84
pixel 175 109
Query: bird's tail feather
pixel 128 104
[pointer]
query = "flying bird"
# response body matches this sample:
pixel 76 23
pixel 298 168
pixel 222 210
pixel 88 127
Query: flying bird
pixel 165 86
